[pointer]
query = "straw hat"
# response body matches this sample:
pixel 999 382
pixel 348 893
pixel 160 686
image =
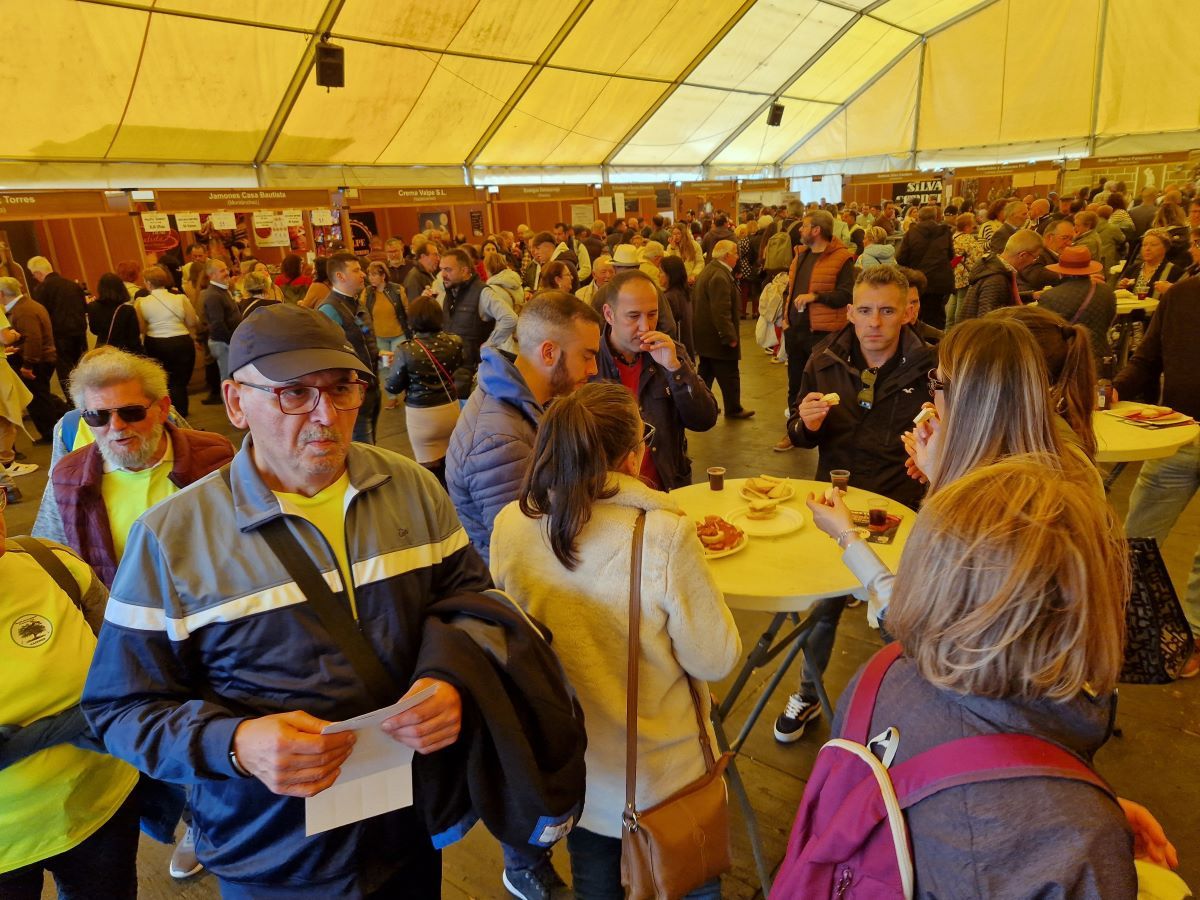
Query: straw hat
pixel 625 256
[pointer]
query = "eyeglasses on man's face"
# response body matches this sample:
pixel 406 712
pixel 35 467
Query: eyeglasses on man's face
pixel 301 399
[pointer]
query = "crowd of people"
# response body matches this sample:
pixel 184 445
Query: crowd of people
pixel 251 596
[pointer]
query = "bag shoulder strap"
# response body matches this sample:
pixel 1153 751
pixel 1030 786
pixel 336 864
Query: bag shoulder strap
pixel 54 567
pixel 1085 304
pixel 857 727
pixel 444 377
pixel 633 651
pixel 332 612
pixel 987 757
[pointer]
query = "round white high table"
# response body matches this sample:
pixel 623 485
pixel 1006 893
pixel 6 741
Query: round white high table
pixel 1119 442
pixel 1127 302
pixel 786 576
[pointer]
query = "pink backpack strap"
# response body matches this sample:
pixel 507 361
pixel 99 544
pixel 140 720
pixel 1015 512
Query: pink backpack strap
pixel 857 726
pixel 987 757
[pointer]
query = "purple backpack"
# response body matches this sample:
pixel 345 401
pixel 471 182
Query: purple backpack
pixel 850 839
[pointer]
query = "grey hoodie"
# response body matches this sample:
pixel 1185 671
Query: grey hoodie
pixel 877 255
pixel 507 286
pixel 1017 838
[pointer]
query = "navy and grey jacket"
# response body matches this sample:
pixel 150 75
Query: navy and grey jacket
pixel 204 629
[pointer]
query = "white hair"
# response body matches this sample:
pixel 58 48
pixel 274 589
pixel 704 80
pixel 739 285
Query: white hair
pixel 10 287
pixel 723 248
pixel 106 366
pixel 39 264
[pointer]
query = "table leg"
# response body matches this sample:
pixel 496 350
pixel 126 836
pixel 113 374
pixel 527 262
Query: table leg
pixel 759 656
pixel 751 818
pixel 1111 478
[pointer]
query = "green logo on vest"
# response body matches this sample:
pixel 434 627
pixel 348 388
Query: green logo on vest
pixel 31 631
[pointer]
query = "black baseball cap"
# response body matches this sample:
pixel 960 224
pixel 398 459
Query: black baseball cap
pixel 286 342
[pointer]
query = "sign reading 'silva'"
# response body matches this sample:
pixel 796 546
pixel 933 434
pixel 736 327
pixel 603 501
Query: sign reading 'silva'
pixel 929 191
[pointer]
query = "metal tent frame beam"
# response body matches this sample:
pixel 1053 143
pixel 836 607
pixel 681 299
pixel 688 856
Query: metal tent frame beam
pixel 679 80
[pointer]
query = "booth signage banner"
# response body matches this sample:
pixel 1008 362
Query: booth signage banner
pixel 229 198
pixel 709 187
pixel 764 184
pixel 40 204
pixel 417 196
pixel 510 192
pixel 1109 162
pixel 187 221
pixel 928 190
pixel 322 217
pixel 890 177
pixel 1002 169
pixel 223 221
pixel 156 222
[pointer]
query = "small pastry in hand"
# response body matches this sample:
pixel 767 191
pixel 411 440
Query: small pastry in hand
pixel 833 399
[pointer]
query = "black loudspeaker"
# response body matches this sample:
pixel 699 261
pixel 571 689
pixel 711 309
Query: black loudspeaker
pixel 331 65
pixel 775 116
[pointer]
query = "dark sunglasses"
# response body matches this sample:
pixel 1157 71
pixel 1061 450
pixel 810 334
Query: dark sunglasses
pixel 98 418
pixel 936 384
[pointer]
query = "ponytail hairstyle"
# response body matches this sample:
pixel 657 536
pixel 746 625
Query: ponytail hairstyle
pixel 1070 365
pixel 583 437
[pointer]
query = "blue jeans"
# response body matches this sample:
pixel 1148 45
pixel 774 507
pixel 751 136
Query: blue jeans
pixel 1163 489
pixel 596 869
pixel 387 345
pixel 220 352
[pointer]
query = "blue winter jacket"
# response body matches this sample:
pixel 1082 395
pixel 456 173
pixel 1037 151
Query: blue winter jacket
pixel 204 629
pixel 491 446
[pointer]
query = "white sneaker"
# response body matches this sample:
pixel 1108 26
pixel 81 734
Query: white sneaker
pixel 184 863
pixel 16 469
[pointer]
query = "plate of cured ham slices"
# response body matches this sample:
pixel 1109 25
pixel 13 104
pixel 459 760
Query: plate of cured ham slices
pixel 719 537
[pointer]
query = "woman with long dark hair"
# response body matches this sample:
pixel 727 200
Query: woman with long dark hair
pixel 564 552
pixel 112 317
pixel 678 294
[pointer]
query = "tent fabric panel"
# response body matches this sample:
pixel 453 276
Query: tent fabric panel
pixel 516 30
pixel 459 101
pixel 768 44
pixel 1147 51
pixel 761 141
pixel 1067 77
pixel 38 77
pixel 962 100
pixel 565 113
pixel 659 41
pixel 293 14
pixel 827 144
pixel 851 62
pixel 220 61
pixel 688 127
pixel 923 15
pixel 881 120
pixel 354 124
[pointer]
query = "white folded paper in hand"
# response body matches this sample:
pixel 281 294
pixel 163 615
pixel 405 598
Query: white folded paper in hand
pixel 377 776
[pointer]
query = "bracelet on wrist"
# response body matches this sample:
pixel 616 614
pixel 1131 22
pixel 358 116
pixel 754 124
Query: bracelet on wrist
pixel 844 535
pixel 237 764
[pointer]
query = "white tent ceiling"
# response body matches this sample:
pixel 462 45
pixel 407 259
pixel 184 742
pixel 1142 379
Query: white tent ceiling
pixel 200 90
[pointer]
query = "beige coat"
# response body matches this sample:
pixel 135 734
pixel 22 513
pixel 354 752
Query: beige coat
pixel 14 396
pixel 686 630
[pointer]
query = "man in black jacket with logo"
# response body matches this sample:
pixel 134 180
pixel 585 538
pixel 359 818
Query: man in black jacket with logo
pixel 878 369
pixel 657 371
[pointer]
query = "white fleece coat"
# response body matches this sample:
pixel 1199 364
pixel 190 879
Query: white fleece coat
pixel 686 629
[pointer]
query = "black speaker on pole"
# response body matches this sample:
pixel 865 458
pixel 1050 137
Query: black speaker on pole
pixel 775 116
pixel 331 65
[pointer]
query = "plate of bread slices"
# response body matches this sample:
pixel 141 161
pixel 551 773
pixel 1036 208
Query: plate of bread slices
pixel 768 487
pixel 1153 415
pixel 766 518
pixel 719 537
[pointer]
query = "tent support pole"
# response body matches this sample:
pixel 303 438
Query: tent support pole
pixel 917 111
pixel 1097 77
pixel 332 9
pixel 679 80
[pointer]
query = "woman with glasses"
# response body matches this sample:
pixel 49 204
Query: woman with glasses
pixel 992 399
pixel 1153 273
pixel 564 552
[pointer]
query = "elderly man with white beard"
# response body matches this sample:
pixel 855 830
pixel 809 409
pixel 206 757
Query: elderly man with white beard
pixel 138 458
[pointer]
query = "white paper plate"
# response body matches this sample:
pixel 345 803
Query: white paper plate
pixel 785 521
pixel 740 545
pixel 789 493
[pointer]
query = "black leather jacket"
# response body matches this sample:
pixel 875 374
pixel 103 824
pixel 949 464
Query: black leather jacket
pixel 416 376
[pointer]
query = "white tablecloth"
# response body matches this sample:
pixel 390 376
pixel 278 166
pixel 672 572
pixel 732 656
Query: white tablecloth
pixel 788 573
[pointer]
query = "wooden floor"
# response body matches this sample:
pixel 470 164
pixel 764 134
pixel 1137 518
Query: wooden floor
pixel 1154 762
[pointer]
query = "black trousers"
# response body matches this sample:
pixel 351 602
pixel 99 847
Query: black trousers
pixel 726 374
pixel 178 357
pixel 103 867
pixel 933 310
pixel 799 343
pixel 45 408
pixel 70 348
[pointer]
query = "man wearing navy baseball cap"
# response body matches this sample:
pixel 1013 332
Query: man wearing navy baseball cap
pixel 212 669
